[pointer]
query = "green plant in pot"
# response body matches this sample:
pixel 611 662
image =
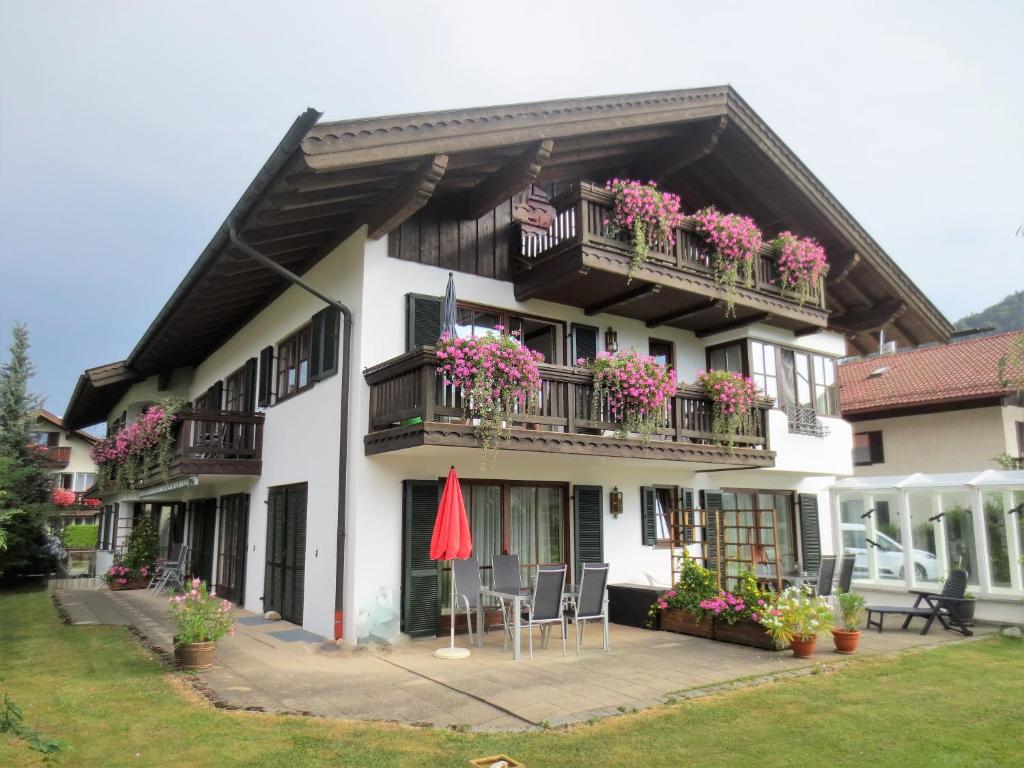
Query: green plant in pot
pixel 851 610
pixel 797 618
pixel 965 608
pixel 201 620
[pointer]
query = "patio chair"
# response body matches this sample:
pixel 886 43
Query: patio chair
pixel 943 606
pixel 544 608
pixel 172 573
pixel 591 604
pixel 845 573
pixel 467 590
pixel 826 571
pixel 505 573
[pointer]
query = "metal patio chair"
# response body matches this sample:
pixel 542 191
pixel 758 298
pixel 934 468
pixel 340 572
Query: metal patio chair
pixel 506 576
pixel 467 590
pixel 172 573
pixel 591 604
pixel 544 608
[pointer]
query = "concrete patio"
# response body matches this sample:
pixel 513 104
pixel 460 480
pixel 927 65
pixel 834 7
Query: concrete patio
pixel 278 667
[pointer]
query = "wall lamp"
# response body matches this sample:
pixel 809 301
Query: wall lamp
pixel 611 340
pixel 615 502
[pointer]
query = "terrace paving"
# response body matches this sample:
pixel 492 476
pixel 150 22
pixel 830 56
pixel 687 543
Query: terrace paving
pixel 488 691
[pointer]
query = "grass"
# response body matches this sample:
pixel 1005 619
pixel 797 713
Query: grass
pixel 114 704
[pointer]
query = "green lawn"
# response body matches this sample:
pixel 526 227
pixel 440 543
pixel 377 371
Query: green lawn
pixel 115 705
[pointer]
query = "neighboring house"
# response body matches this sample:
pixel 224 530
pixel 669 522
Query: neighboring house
pixel 934 409
pixel 66 456
pixel 307 472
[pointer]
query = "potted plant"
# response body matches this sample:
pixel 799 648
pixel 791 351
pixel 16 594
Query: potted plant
pixel 736 241
pixel 636 388
pixel 497 377
pixel 122 457
pixel 201 620
pixel 734 397
pixel 646 215
pixel 797 618
pixel 135 568
pixel 965 608
pixel 851 609
pixel 737 614
pixel 680 607
pixel 802 265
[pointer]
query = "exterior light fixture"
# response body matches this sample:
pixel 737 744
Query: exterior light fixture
pixel 615 502
pixel 611 340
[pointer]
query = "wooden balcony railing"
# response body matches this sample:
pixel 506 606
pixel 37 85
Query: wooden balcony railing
pixel 406 392
pixel 56 456
pixel 581 213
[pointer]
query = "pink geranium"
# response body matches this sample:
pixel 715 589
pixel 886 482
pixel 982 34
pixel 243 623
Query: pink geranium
pixel 648 215
pixel 632 390
pixel 736 241
pixel 802 265
pixel 735 398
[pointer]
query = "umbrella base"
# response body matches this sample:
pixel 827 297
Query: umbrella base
pixel 452 653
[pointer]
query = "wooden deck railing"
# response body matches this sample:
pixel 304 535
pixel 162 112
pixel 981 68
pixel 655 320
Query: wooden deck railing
pixel 220 435
pixel 580 218
pixel 406 390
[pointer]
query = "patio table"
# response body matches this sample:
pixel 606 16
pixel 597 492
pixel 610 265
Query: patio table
pixel 518 598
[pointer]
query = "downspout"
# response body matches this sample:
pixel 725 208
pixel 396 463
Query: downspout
pixel 346 372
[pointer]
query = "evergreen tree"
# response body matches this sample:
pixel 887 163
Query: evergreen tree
pixel 24 483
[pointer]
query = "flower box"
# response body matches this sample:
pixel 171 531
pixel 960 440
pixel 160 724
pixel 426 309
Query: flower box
pixel 140 583
pixel 686 623
pixel 745 633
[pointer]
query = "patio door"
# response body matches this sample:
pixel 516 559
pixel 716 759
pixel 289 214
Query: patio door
pixel 203 523
pixel 232 545
pixel 285 574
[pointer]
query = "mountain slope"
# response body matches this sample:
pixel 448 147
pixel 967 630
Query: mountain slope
pixel 1007 315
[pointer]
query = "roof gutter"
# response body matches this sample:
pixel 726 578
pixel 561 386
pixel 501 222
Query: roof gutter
pixel 346 374
pixel 259 185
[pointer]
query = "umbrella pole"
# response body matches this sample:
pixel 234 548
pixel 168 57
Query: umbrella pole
pixel 452 652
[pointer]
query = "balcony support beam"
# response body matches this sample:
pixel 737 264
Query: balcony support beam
pixel 514 177
pixel 622 298
pixel 869 318
pixel 398 205
pixel 682 314
pixel 682 152
pixel 729 325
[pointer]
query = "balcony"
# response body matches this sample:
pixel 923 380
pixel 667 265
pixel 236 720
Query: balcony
pixel 55 457
pixel 212 443
pixel 578 262
pixel 410 407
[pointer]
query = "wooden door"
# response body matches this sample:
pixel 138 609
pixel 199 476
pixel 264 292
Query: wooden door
pixel 203 519
pixel 232 545
pixel 285 573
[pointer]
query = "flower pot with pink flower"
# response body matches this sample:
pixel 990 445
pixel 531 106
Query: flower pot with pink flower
pixel 631 390
pixel 736 242
pixel 201 621
pixel 647 216
pixel 802 266
pixel 735 398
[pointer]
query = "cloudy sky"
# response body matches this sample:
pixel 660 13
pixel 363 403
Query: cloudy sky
pixel 129 129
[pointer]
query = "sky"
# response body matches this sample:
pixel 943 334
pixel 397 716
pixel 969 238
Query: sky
pixel 128 130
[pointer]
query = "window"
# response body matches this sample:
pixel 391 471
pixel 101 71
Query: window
pixel 66 481
pixel 538 334
pixel 662 352
pixel 293 364
pixel 83 481
pixel 1020 439
pixel 754 508
pixel 867 449
pixel 763 368
pixel 826 401
pixel 666 500
pixel 44 439
pixel 237 390
pixel 728 357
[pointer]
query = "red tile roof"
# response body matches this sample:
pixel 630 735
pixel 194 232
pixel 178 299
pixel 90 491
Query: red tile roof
pixel 963 370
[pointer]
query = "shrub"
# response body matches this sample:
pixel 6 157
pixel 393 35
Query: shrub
pixel 80 536
pixel 200 617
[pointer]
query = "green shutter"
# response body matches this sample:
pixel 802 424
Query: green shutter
pixel 215 397
pixel 711 501
pixel 324 343
pixel 266 387
pixel 250 385
pixel 810 533
pixel 420 574
pixel 295 554
pixel 423 317
pixel 648 516
pixel 584 342
pixel 587 513
pixel 273 576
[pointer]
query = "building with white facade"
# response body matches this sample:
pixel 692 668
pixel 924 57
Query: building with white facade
pixel 306 471
pixel 66 456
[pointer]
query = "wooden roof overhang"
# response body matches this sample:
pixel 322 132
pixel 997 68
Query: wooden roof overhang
pixel 326 180
pixel 97 391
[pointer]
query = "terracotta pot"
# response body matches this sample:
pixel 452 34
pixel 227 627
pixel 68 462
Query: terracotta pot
pixel 845 640
pixel 686 623
pixel 195 655
pixel 803 648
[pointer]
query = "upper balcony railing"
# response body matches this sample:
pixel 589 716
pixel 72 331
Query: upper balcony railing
pixel 410 405
pixel 55 456
pixel 581 213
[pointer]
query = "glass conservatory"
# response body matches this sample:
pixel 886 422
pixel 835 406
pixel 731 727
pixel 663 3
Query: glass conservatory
pixel 910 531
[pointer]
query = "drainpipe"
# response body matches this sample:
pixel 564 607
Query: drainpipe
pixel 346 372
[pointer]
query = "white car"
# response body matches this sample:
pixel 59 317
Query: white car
pixel 889 554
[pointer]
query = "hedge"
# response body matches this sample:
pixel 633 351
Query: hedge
pixel 81 536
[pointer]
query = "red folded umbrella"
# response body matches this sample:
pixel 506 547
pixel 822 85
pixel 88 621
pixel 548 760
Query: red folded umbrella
pixel 451 539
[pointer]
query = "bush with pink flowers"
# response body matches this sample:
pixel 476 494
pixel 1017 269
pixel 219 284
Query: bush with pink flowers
pixel 635 389
pixel 647 215
pixel 122 457
pixel 736 241
pixel 496 376
pixel 735 397
pixel 802 265
pixel 122 575
pixel 200 616
pixel 61 497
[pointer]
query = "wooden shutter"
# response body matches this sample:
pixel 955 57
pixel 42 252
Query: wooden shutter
pixel 294 587
pixel 215 397
pixel 324 343
pixel 52 439
pixel 423 318
pixel 875 447
pixel 810 533
pixel 249 378
pixel 711 501
pixel 266 388
pixel 588 519
pixel 420 574
pixel 273 578
pixel 584 342
pixel 648 516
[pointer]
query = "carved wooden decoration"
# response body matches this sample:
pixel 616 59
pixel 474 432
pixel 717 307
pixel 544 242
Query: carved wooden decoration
pixel 533 211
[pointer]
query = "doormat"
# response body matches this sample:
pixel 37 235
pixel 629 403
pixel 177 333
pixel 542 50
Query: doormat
pixel 297 636
pixel 254 621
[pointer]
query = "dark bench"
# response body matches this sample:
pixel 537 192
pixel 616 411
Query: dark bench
pixel 944 606
pixel 904 610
